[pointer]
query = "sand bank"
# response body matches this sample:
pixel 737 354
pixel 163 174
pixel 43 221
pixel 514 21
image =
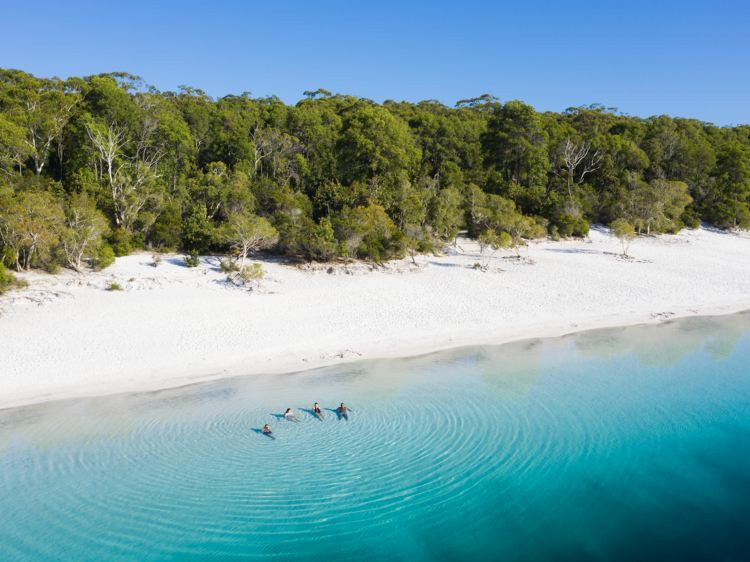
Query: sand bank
pixel 68 336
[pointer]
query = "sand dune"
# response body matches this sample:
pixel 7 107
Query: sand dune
pixel 68 336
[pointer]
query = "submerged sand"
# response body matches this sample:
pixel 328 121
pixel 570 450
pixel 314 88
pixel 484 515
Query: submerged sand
pixel 68 336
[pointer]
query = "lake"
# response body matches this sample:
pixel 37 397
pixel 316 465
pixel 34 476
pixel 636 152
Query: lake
pixel 615 444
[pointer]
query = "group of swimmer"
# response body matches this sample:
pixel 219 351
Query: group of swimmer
pixel 291 416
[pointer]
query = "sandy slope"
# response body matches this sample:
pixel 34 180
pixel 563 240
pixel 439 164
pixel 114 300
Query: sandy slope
pixel 67 336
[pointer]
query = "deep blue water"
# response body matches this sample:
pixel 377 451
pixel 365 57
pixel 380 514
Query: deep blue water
pixel 620 444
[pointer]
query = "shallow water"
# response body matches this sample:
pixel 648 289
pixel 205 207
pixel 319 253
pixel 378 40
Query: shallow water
pixel 618 444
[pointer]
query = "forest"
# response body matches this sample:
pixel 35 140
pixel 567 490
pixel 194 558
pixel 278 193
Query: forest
pixel 100 166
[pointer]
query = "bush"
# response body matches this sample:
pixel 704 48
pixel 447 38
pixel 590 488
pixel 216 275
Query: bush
pixel 120 241
pixel 53 268
pixel 567 225
pixel 191 260
pixel 228 266
pixel 690 219
pixel 253 272
pixel 197 229
pixel 105 258
pixel 157 260
pixel 167 229
pixel 7 256
pixel 8 281
pixel 115 287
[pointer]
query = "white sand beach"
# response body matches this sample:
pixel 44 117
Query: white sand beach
pixel 66 335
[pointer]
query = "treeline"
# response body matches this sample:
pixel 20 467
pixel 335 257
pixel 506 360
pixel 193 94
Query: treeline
pixel 98 166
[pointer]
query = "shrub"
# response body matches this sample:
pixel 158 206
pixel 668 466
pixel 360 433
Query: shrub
pixel 567 225
pixel 581 228
pixel 8 281
pixel 7 256
pixel 53 268
pixel 252 272
pixel 157 260
pixel 115 287
pixel 105 258
pixel 690 219
pixel 167 229
pixel 191 260
pixel 120 241
pixel 228 266
pixel 197 229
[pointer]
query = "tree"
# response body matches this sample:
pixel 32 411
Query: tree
pixel 733 186
pixel 515 144
pixel 574 154
pixel 246 232
pixel 13 148
pixel 624 232
pixel 492 241
pixel 30 223
pixel 376 147
pixel 40 106
pixel 82 230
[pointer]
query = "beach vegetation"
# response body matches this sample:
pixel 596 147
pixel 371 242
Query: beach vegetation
pixel 107 159
pixel 114 287
pixel 82 230
pixel 624 232
pixel 192 259
pixel 246 232
pixel 105 257
pixel 8 281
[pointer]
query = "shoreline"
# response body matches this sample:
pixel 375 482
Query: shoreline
pixel 172 326
pixel 200 377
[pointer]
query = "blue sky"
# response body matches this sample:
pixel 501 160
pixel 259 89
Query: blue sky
pixel 686 59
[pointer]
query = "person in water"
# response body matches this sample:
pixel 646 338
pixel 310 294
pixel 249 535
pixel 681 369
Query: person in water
pixel 266 429
pixel 290 415
pixel 317 409
pixel 342 409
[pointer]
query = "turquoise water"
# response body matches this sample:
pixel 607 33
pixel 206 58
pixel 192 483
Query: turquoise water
pixel 618 444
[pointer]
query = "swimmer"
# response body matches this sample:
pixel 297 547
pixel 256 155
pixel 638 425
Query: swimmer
pixel 342 411
pixel 267 431
pixel 317 411
pixel 290 415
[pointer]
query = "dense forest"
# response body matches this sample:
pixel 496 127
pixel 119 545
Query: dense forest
pixel 102 165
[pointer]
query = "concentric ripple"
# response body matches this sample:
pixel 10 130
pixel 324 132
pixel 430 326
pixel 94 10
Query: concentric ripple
pixel 531 451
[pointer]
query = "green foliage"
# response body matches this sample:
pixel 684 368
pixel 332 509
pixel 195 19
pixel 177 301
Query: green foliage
pixel 228 266
pixel 338 174
pixel 167 230
pixel 253 272
pixel 567 225
pixel 105 258
pixel 8 281
pixel 624 231
pixel 197 229
pixel 120 241
pixel 115 287
pixel 192 260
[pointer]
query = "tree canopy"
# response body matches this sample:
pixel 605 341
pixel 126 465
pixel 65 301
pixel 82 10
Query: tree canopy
pixel 108 163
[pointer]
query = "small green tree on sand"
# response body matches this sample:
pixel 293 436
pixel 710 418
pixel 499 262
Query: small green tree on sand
pixel 491 242
pixel 624 231
pixel 246 232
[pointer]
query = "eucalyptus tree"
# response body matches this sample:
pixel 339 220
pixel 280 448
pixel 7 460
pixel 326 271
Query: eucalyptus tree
pixel 39 106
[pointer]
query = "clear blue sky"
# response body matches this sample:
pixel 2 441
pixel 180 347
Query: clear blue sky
pixel 681 58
